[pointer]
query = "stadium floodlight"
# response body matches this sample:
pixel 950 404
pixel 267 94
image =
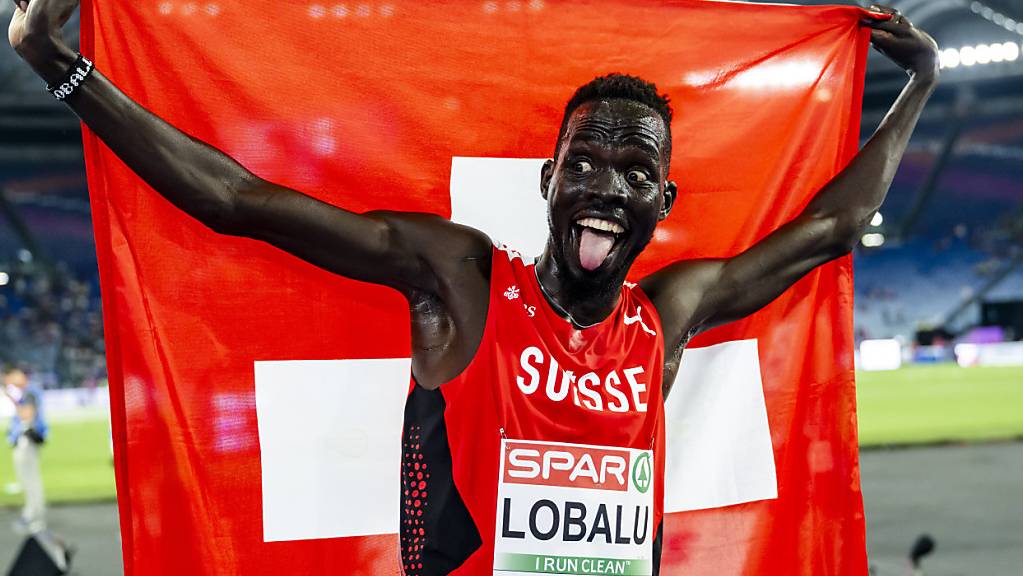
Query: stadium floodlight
pixel 1011 50
pixel 967 57
pixel 949 58
pixel 877 220
pixel 4 278
pixel 982 53
pixel 873 240
pixel 986 53
pixel 997 52
pixel 979 54
pixel 996 17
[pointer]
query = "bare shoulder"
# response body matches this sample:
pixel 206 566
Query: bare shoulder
pixel 681 282
pixel 448 318
pixel 678 291
pixel 443 246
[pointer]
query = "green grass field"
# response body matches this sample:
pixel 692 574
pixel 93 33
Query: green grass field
pixel 76 464
pixel 910 406
pixel 927 404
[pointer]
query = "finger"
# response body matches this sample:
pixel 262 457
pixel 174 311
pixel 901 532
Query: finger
pixel 890 26
pixel 883 9
pixel 880 36
pixel 871 16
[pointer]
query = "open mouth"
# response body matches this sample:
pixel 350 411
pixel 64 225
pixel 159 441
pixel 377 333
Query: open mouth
pixel 597 239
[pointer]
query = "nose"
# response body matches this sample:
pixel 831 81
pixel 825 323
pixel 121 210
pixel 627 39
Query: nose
pixel 610 185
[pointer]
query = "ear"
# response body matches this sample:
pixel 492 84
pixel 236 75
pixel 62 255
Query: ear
pixel 670 194
pixel 546 175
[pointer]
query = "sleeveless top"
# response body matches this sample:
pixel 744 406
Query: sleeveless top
pixel 546 454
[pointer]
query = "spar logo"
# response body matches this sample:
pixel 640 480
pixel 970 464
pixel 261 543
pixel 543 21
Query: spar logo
pixel 569 466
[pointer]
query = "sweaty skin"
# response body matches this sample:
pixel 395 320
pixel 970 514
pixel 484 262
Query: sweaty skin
pixel 612 164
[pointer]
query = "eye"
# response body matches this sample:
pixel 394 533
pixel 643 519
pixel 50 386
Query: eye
pixel 582 167
pixel 637 176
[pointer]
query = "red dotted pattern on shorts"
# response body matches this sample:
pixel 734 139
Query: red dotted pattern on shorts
pixel 415 479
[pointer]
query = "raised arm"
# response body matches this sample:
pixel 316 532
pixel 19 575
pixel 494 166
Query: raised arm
pixel 383 247
pixel 702 293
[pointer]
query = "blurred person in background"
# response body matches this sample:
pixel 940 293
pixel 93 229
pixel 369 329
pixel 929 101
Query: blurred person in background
pixel 26 435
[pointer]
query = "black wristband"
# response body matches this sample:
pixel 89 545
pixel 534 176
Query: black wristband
pixel 74 77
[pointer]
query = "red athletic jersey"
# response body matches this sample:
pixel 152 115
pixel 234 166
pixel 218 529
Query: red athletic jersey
pixel 546 455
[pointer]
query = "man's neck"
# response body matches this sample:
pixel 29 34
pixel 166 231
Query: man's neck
pixel 582 303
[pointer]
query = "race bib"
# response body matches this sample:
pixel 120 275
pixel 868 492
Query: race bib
pixel 574 509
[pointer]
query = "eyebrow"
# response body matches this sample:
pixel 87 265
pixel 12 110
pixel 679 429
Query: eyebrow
pixel 592 134
pixel 645 144
pixel 600 135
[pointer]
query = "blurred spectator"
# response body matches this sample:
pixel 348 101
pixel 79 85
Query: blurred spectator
pixel 26 435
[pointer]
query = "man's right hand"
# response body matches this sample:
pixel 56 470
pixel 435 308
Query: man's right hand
pixel 36 27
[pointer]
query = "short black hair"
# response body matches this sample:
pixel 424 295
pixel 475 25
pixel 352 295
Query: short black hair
pixel 623 87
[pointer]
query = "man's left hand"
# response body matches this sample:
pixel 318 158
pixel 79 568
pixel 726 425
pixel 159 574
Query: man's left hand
pixel 911 48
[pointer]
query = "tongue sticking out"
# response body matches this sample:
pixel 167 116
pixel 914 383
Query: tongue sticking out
pixel 594 247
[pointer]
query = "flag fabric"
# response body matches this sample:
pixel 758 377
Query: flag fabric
pixel 238 373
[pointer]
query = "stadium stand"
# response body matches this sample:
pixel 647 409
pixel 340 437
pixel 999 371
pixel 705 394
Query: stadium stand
pixel 50 323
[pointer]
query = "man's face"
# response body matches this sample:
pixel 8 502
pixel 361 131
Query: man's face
pixel 16 378
pixel 608 188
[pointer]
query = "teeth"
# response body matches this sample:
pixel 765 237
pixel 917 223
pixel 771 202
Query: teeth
pixel 602 225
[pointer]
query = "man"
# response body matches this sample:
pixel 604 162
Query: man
pixel 26 435
pixel 555 369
